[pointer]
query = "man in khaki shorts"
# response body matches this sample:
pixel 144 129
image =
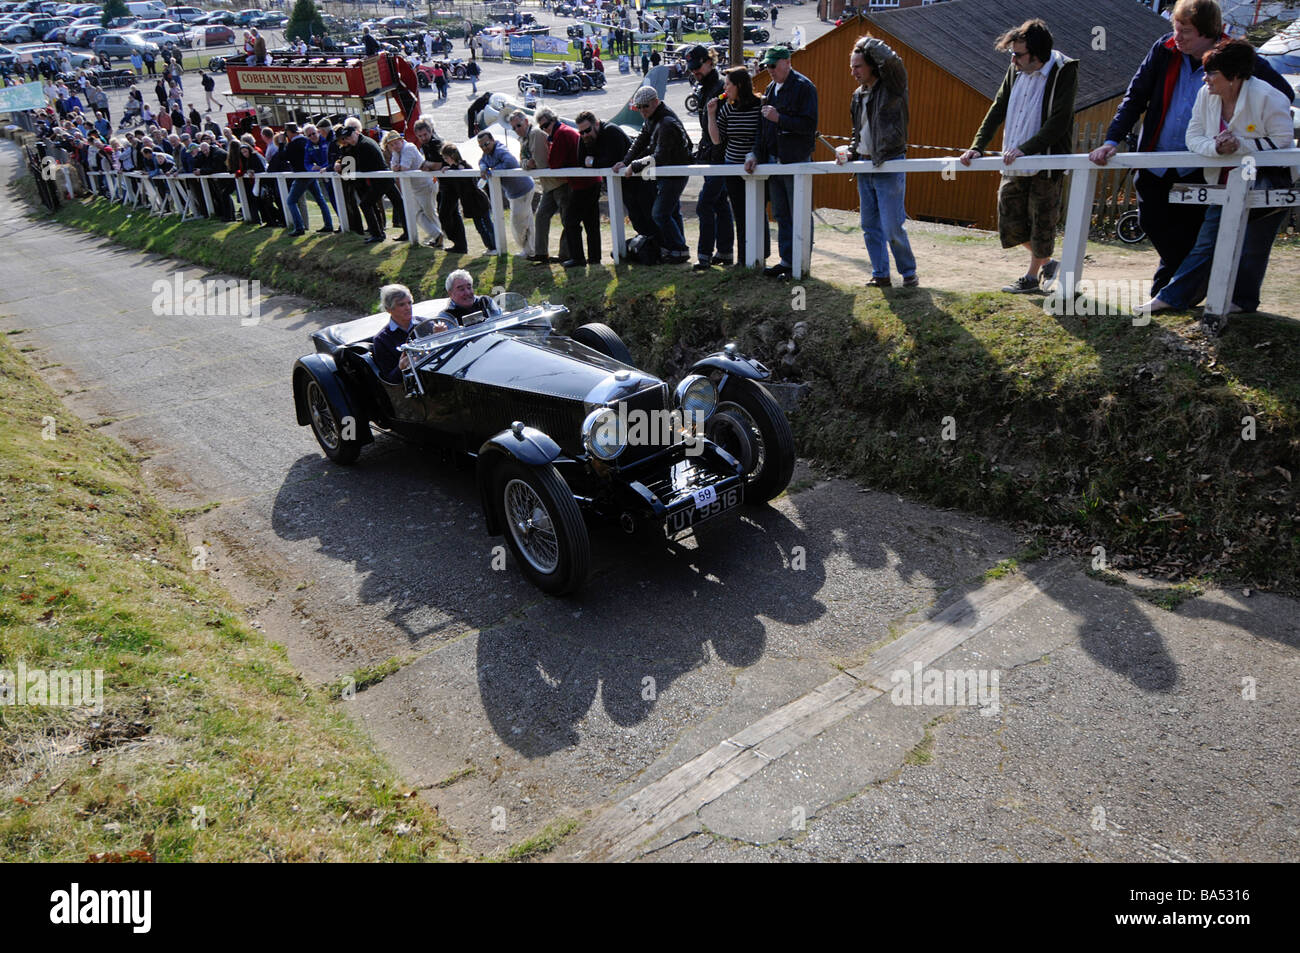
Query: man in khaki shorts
pixel 1035 107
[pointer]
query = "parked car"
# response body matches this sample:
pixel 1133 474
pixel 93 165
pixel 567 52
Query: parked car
pixel 184 14
pixel 83 35
pixel 562 428
pixel 212 35
pixel 121 45
pixel 752 34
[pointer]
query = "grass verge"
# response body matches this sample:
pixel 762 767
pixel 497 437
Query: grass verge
pixel 1172 454
pixel 207 747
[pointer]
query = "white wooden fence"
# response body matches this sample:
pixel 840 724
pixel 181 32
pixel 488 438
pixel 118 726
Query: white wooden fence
pixel 167 195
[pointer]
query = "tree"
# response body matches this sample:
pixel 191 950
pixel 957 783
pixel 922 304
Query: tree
pixel 304 22
pixel 112 10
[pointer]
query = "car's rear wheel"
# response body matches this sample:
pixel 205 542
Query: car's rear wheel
pixel 603 338
pixel 771 455
pixel 574 84
pixel 330 427
pixel 423 80
pixel 543 526
pixel 524 83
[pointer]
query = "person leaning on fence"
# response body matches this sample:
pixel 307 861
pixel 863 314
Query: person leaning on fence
pixel 555 190
pixel 600 145
pixel 713 207
pixel 1035 107
pixel 1234 114
pixel 1162 94
pixel 430 146
pixel 662 142
pixel 786 135
pixel 464 192
pixel 389 187
pixel 880 117
pixel 251 165
pixel 732 124
pixel 518 189
pixel 405 156
pixel 366 157
pixel 296 151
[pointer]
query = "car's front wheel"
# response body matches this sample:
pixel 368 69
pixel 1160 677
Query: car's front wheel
pixel 335 433
pixel 543 526
pixel 770 462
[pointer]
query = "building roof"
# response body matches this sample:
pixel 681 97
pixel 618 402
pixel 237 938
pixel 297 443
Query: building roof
pixel 959 36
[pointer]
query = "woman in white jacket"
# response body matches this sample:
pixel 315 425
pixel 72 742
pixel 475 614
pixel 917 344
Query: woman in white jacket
pixel 1234 114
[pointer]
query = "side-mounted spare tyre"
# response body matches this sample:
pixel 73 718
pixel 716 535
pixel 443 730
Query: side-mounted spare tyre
pixel 603 338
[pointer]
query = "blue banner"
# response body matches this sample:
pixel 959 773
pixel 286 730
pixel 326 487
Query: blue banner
pixel 22 96
pixel 521 48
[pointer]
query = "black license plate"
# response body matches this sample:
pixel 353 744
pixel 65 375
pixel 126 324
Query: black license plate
pixel 708 504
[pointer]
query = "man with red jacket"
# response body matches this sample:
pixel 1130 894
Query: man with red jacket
pixel 1164 89
pixel 562 141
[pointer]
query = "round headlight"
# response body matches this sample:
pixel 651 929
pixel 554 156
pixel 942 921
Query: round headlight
pixel 602 434
pixel 697 397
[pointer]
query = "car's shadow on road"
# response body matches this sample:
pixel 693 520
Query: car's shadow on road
pixel 407 521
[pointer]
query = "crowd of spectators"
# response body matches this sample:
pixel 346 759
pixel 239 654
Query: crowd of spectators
pixel 1199 91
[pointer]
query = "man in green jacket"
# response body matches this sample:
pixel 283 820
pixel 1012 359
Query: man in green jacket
pixel 1035 107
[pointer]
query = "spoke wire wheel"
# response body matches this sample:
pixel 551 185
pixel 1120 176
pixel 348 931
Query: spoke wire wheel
pixel 322 417
pixel 755 456
pixel 531 526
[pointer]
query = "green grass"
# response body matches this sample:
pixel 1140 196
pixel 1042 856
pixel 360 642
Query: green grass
pixel 1084 431
pixel 544 841
pixel 209 747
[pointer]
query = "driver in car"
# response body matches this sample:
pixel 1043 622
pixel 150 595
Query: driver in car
pixel 398 302
pixel 460 285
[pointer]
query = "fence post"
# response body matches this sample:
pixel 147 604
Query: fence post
pixel 245 208
pixel 207 196
pixel 801 250
pixel 283 186
pixel 617 209
pixel 341 205
pixel 1078 221
pixel 755 219
pixel 1227 248
pixel 495 196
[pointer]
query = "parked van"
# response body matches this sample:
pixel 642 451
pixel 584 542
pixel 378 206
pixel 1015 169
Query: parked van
pixel 148 8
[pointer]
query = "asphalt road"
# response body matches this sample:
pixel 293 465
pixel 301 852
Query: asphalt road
pixel 511 709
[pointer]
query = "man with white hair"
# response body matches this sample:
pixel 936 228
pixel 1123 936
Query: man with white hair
pixel 460 286
pixel 398 302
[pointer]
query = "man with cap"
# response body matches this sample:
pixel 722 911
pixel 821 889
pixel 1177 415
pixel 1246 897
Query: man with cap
pixel 663 142
pixel 717 228
pixel 787 131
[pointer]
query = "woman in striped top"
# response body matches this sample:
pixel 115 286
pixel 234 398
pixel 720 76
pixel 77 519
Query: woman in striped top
pixel 733 121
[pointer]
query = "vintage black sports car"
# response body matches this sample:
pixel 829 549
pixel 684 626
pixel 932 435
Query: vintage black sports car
pixel 562 428
pixel 553 82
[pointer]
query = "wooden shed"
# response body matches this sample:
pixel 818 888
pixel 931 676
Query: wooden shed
pixel 953 75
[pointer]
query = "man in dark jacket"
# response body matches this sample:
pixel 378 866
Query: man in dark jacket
pixel 365 157
pixel 663 142
pixel 1036 103
pixel 717 228
pixel 1163 91
pixel 786 135
pixel 296 153
pixel 600 146
pixel 213 160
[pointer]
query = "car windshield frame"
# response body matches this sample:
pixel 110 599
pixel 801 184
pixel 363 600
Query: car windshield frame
pixel 425 350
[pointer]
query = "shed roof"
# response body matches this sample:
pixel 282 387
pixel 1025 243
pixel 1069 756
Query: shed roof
pixel 959 36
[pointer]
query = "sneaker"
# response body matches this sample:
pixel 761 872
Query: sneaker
pixel 724 260
pixel 1047 274
pixel 702 266
pixel 884 282
pixel 1024 285
pixel 912 282
pixel 778 271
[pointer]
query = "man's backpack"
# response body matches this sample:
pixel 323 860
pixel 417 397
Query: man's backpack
pixel 643 250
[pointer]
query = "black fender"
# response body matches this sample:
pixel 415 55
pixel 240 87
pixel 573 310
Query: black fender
pixel 528 445
pixel 732 363
pixel 324 371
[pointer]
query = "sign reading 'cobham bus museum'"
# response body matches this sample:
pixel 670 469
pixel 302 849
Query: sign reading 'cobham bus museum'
pixel 336 81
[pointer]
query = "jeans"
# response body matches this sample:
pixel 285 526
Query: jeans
pixel 667 213
pixel 714 211
pixel 1190 282
pixel 883 217
pixel 1172 228
pixel 310 187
